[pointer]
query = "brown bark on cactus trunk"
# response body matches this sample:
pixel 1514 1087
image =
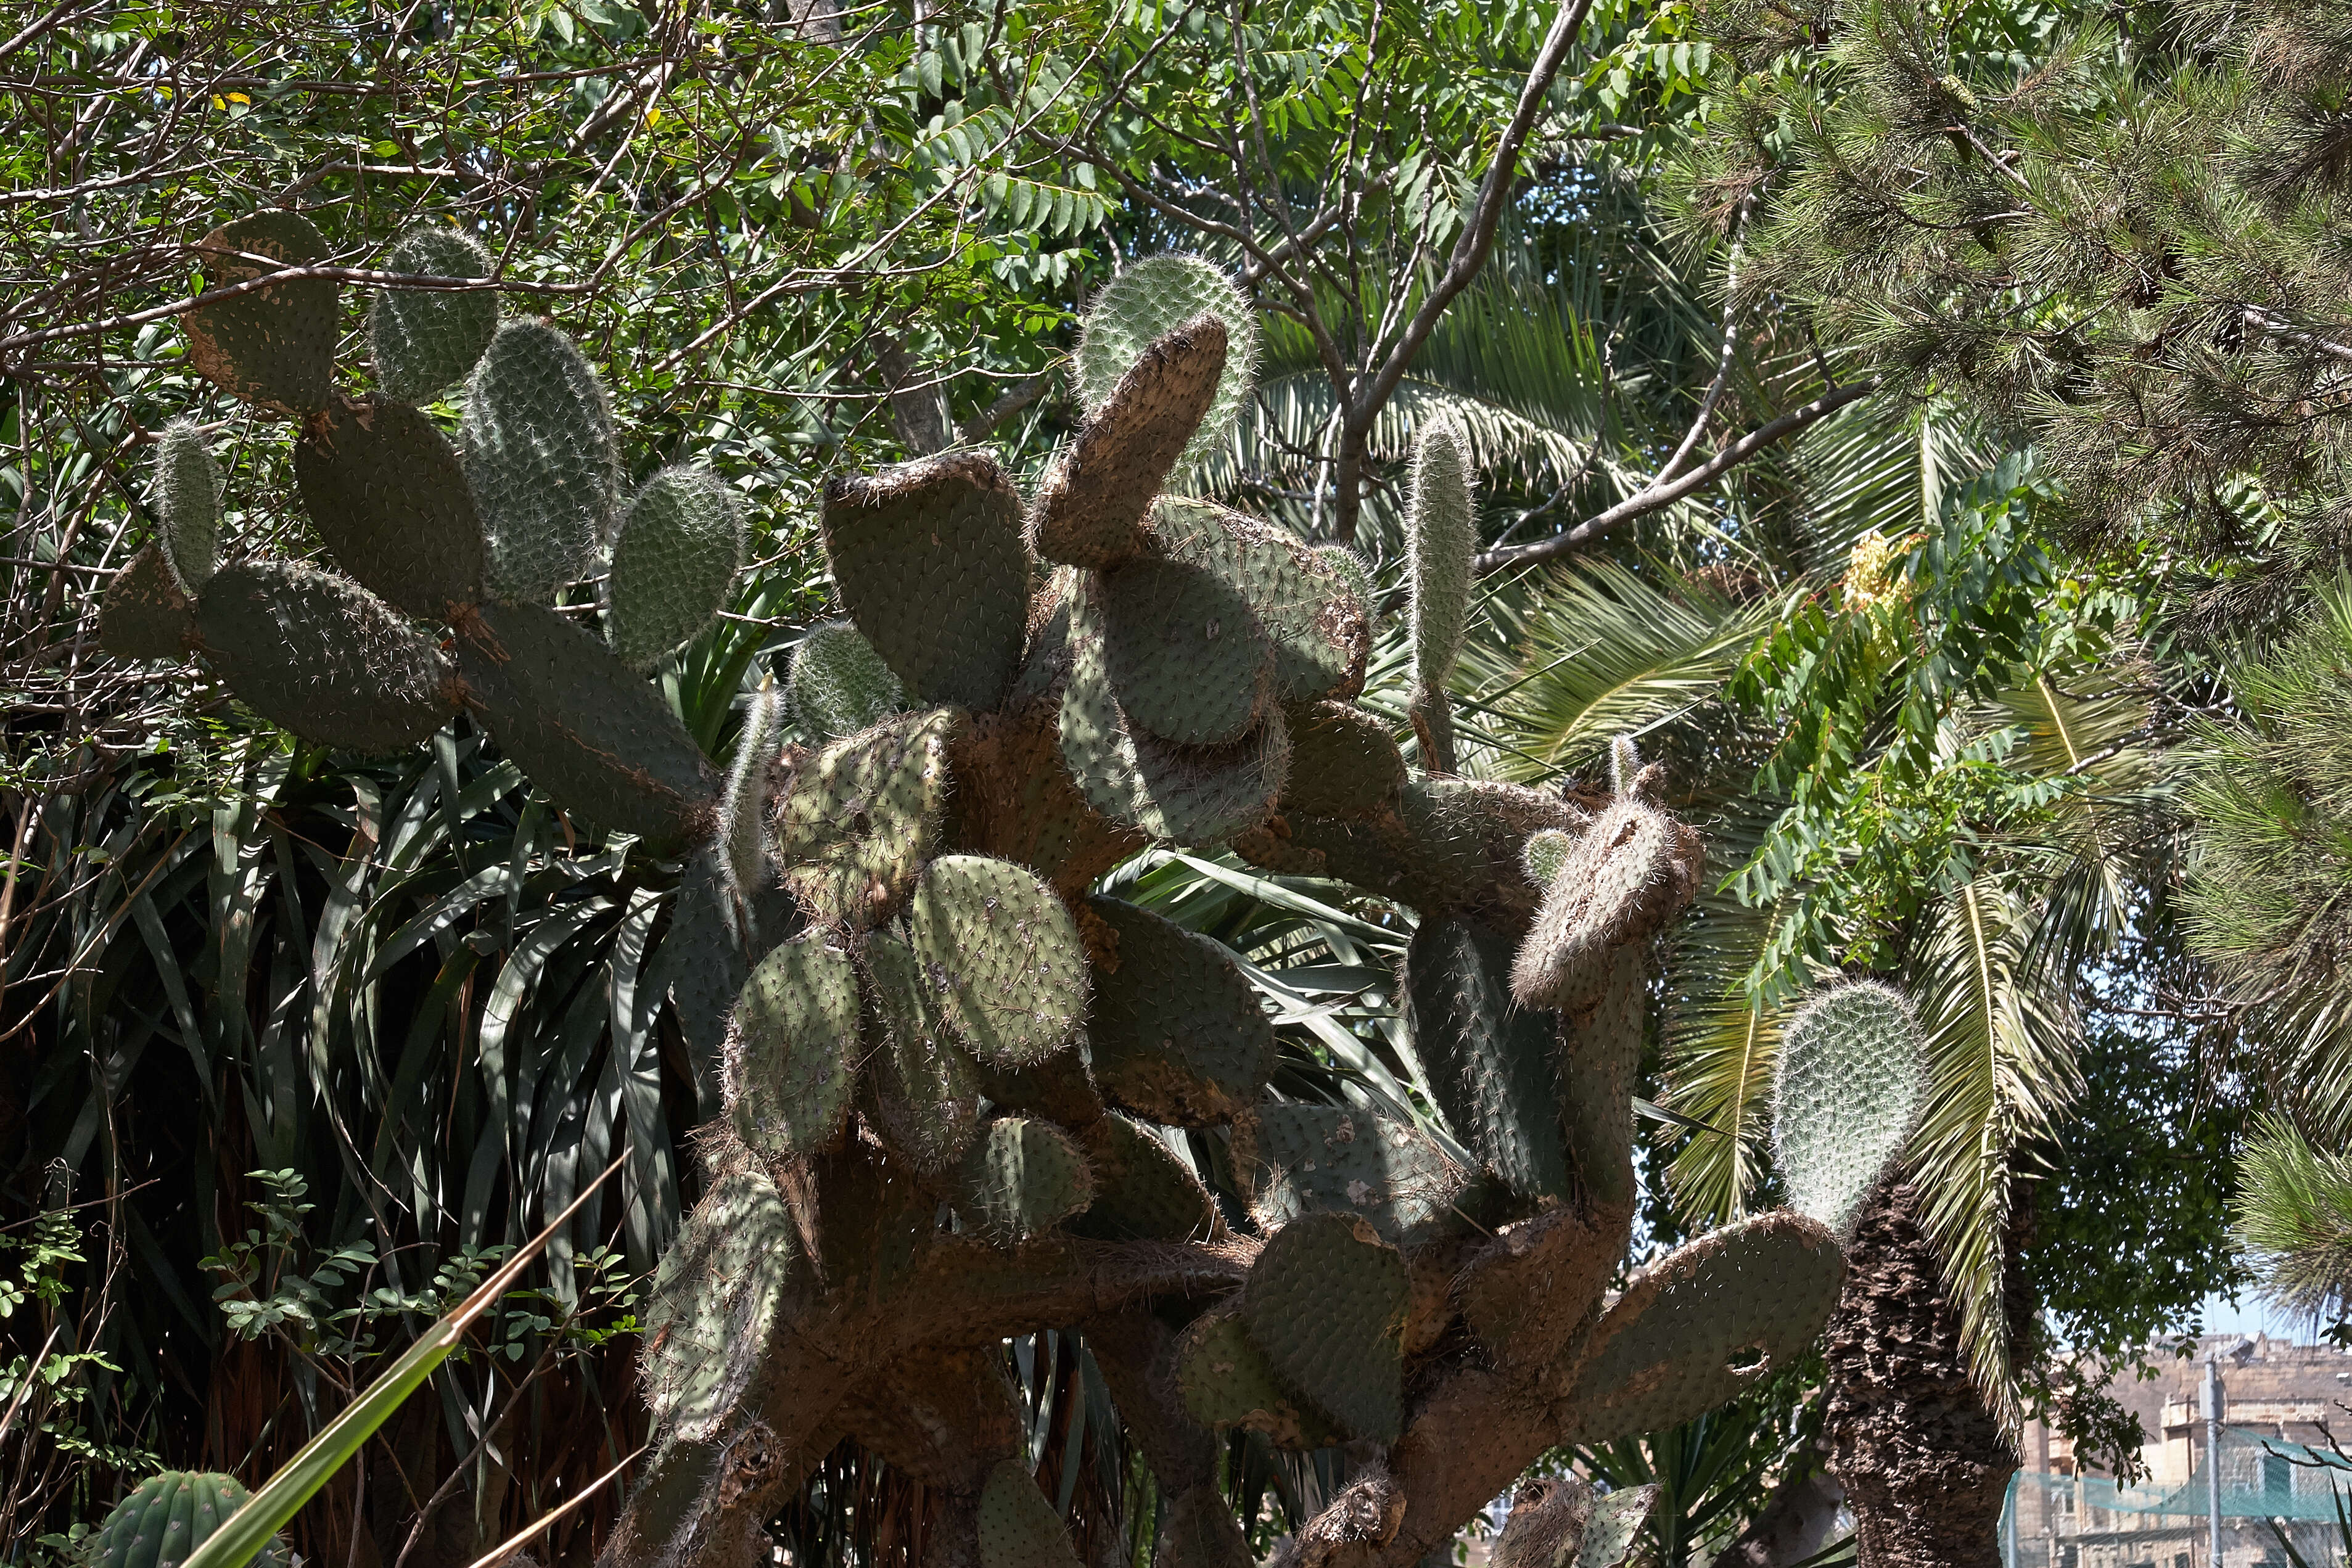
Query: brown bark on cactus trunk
pixel 1924 1463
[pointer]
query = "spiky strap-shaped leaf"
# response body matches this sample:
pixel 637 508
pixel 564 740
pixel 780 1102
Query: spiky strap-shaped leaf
pixel 1224 1380
pixel 324 657
pixel 164 1520
pixel 1489 1060
pixel 539 458
pixel 598 740
pixel 144 614
pixel 1702 1323
pixel 274 347
pixel 1295 1159
pixel 791 1047
pixel 715 1300
pixel 1019 1526
pixel 1002 956
pixel 188 503
pixel 1325 1301
pixel 387 496
pixel 425 341
pixel 924 1091
pixel 1092 509
pixel 1849 1089
pixel 1022 1177
pixel 839 685
pixel 674 563
pixel 864 814
pixel 1144 303
pixel 1177 1032
pixel 929 561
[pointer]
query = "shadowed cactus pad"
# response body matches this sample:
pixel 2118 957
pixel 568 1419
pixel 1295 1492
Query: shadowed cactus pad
pixel 1142 1191
pixel 1325 1301
pixel 929 562
pixel 1177 1031
pixel 924 1091
pixel 839 685
pixel 323 657
pixel 1092 508
pixel 1002 956
pixel 864 814
pixel 1146 301
pixel 144 614
pixel 1021 1177
pixel 188 503
pixel 425 341
pixel 1616 1524
pixel 275 346
pixel 385 493
pixel 541 459
pixel 1295 1159
pixel 674 561
pixel 1489 1059
pixel 1848 1090
pixel 1316 625
pixel 1342 762
pixel 1224 1380
pixel 164 1520
pixel 715 1300
pixel 1019 1526
pixel 1184 653
pixel 790 1049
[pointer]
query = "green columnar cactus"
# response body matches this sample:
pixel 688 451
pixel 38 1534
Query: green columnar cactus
pixel 427 341
pixel 1444 535
pixel 166 1517
pixel 963 1090
pixel 188 486
pixel 1849 1089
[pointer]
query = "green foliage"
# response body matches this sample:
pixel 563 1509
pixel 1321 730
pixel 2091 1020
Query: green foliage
pixel 2294 1218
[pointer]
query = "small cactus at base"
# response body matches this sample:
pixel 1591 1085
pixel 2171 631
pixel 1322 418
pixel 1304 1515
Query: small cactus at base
pixel 164 1520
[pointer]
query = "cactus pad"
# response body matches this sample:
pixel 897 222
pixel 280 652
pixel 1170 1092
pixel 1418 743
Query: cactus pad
pixel 539 458
pixel 1224 1380
pixel 1626 874
pixel 839 685
pixel 274 347
pixel 1544 854
pixel 1320 633
pixel 188 486
pixel 1184 653
pixel 1019 1526
pixel 1177 1031
pixel 1002 956
pixel 1293 1159
pixel 144 615
pixel 1702 1323
pixel 929 562
pixel 1146 301
pixel 714 1303
pixel 425 341
pixel 924 1091
pixel 1092 508
pixel 1142 1191
pixel 165 1518
pixel 1352 572
pixel 1326 1302
pixel 674 563
pixel 1616 1524
pixel 1443 536
pixel 789 1072
pixel 1342 762
pixel 599 740
pixel 864 814
pixel 1489 1059
pixel 387 496
pixel 1849 1089
pixel 1599 1050
pixel 323 657
pixel 742 828
pixel 1021 1177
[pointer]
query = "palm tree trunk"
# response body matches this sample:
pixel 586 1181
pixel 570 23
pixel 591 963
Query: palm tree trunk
pixel 1923 1464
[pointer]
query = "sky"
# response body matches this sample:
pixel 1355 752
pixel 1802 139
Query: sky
pixel 2250 1316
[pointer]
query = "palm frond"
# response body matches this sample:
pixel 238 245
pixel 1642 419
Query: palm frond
pixel 2293 1220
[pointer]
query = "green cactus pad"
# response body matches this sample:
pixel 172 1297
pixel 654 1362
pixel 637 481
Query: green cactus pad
pixel 674 564
pixel 323 657
pixel 188 486
pixel 791 1047
pixel 274 347
pixel 839 685
pixel 1325 1301
pixel 1021 1177
pixel 742 807
pixel 1002 956
pixel 1177 1032
pixel 1601 1049
pixel 144 615
pixel 1544 854
pixel 1702 1323
pixel 1142 1191
pixel 1189 795
pixel 1019 1526
pixel 387 496
pixel 539 458
pixel 1352 572
pixel 1617 1520
pixel 425 341
pixel 1625 878
pixel 1849 1089
pixel 715 1299
pixel 925 1093
pixel 1092 509
pixel 1489 1059
pixel 1320 632
pixel 1146 301
pixel 1061 1088
pixel 599 740
pixel 1295 1159
pixel 864 814
pixel 1342 762
pixel 1185 655
pixel 929 562
pixel 1224 1380
pixel 165 1518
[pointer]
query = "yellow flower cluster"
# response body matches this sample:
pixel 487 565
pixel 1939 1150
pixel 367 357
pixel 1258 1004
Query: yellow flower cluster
pixel 1874 575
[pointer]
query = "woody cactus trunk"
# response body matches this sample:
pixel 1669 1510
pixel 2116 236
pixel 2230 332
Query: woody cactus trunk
pixel 951 1062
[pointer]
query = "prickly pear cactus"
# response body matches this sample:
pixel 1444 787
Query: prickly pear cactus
pixel 968 1097
pixel 167 1517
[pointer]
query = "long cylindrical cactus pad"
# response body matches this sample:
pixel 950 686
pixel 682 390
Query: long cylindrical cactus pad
pixel 956 1070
